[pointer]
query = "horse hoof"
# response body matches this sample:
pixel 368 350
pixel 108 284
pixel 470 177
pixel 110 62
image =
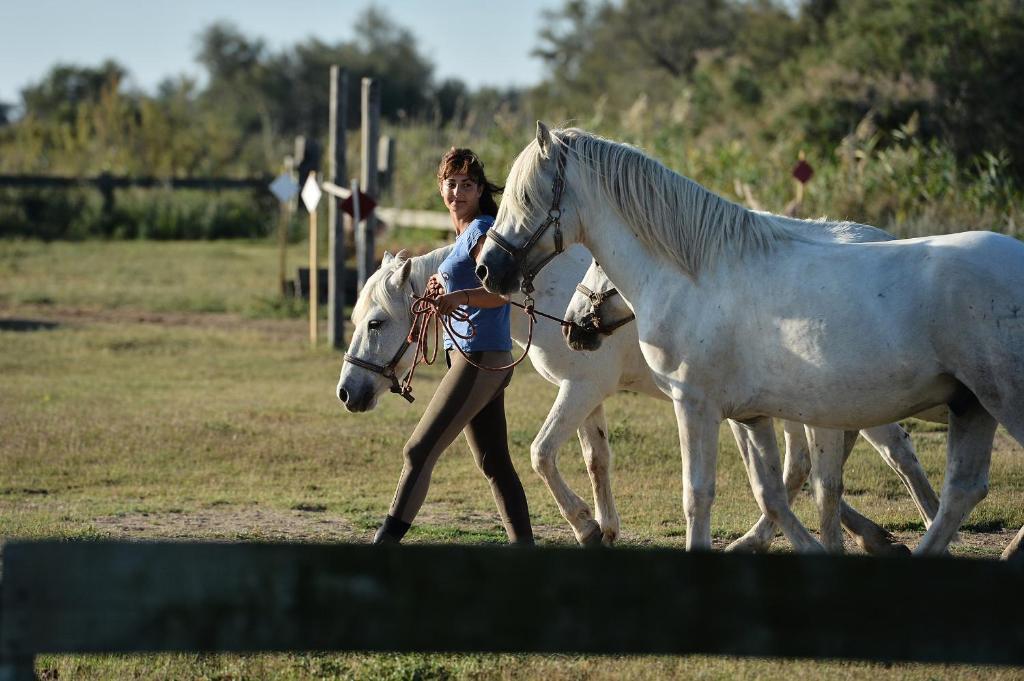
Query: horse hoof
pixel 746 544
pixel 593 537
pixel 902 550
pixel 894 549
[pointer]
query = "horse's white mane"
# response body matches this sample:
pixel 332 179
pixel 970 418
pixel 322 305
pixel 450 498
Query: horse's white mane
pixel 670 213
pixel 377 289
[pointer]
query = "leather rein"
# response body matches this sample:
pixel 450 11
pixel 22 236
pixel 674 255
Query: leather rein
pixel 427 318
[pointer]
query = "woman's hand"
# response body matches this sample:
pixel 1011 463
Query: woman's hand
pixel 448 302
pixel 435 286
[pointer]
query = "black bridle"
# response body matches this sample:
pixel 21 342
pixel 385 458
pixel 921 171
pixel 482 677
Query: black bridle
pixel 554 219
pixel 592 320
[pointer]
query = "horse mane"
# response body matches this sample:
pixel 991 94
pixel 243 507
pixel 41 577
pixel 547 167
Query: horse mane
pixel 669 213
pixel 377 289
pixel 842 231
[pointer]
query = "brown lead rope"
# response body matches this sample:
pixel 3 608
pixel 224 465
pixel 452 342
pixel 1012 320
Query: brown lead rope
pixel 426 317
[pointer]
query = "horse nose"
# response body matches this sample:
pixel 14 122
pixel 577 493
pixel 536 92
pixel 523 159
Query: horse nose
pixel 342 395
pixel 481 273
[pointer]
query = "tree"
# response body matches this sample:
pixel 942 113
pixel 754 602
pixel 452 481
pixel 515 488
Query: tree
pixel 285 94
pixel 66 87
pixel 960 66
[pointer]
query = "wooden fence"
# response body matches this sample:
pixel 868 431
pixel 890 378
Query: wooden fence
pixel 118 597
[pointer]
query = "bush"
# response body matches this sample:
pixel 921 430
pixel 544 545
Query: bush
pixel 137 213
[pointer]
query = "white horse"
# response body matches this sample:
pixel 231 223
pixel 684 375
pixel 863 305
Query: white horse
pixel 741 316
pixel 381 319
pixel 597 313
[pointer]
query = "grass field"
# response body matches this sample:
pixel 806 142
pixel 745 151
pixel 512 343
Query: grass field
pixel 175 397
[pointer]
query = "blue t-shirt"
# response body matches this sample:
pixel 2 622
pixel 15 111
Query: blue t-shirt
pixel 458 271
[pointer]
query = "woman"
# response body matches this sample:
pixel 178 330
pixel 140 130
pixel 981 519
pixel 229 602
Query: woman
pixel 469 399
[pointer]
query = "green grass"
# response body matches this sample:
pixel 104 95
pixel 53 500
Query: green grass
pixel 220 276
pixel 116 427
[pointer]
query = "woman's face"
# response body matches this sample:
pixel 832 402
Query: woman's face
pixel 461 196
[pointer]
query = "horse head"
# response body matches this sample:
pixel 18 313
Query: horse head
pixel 596 309
pixel 536 219
pixel 379 351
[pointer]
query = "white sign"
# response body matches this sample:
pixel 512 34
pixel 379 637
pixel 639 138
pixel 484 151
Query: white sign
pixel 284 187
pixel 311 193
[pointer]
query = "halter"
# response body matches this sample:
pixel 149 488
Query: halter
pixel 554 219
pixel 387 370
pixel 592 321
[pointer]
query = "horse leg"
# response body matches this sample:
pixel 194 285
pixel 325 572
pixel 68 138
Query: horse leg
pixel 795 469
pixel 569 409
pixel 597 453
pixel 866 533
pixel 762 463
pixel 698 446
pixel 1008 413
pixel 971 432
pixel 896 449
pixel 827 456
pixel 1015 549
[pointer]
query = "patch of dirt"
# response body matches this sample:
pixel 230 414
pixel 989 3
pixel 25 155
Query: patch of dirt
pixel 232 523
pixel 249 523
pixel 443 515
pixel 72 316
pixel 969 544
pixel 252 523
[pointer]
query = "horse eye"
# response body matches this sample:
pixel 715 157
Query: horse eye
pixel 374 324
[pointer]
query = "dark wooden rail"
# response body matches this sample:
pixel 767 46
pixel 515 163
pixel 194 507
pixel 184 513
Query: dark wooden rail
pixel 110 182
pixel 110 597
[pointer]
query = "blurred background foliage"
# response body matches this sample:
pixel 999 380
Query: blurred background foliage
pixel 910 111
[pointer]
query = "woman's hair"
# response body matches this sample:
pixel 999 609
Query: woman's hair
pixel 465 162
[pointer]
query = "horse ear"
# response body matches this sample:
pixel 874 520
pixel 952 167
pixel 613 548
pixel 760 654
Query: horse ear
pixel 401 275
pixel 402 255
pixel 386 260
pixel 543 137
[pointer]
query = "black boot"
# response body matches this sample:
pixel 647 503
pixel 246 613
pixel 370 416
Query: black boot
pixel 391 531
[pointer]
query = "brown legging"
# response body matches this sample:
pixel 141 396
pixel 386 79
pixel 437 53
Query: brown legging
pixel 469 400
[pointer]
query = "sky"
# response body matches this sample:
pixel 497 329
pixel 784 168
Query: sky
pixel 156 39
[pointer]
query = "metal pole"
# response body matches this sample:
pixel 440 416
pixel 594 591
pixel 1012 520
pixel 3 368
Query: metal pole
pixel 335 171
pixel 370 141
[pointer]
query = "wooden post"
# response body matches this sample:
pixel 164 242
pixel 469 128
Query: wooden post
pixel 335 171
pixel 386 163
pixel 364 264
pixel 105 183
pixel 313 265
pixel 368 179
